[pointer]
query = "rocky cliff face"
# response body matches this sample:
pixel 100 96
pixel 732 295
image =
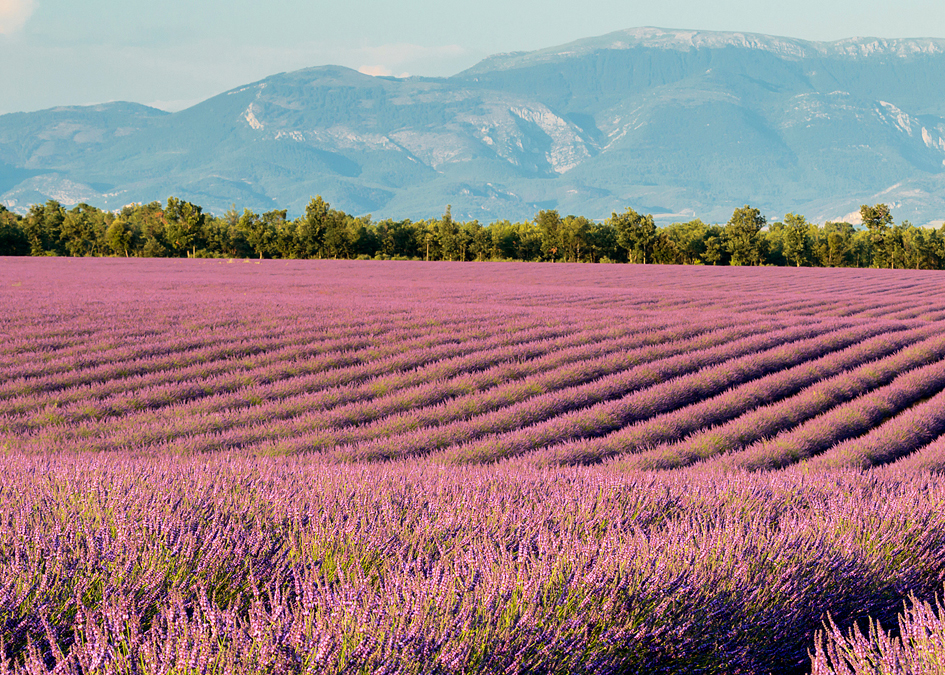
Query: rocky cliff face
pixel 679 123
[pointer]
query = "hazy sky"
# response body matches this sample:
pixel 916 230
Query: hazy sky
pixel 173 53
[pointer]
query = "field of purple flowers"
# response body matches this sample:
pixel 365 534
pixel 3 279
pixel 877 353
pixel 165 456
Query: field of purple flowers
pixel 369 467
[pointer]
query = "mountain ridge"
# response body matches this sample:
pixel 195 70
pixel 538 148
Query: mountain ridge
pixel 681 123
pixel 653 37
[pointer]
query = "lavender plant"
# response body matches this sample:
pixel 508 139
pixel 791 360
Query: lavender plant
pixel 918 649
pixel 218 467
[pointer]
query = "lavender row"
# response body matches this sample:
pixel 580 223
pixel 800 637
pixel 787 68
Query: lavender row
pixel 127 340
pixel 200 433
pixel 465 376
pixel 234 404
pixel 928 458
pixel 227 362
pixel 588 396
pixel 671 427
pixel 848 420
pixel 297 364
pixel 675 390
pixel 513 405
pixel 497 391
pixel 293 330
pixel 296 355
pixel 905 433
pixel 771 419
pixel 167 410
pixel 207 352
pixel 209 349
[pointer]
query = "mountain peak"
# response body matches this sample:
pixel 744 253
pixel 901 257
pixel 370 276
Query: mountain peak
pixel 650 37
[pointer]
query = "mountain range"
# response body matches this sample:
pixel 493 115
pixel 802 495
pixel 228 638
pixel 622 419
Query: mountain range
pixel 676 123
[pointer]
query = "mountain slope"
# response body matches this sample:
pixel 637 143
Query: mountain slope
pixel 679 123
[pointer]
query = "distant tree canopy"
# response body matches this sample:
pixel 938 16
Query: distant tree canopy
pixel 182 229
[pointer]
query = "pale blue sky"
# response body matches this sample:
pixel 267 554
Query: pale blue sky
pixel 173 53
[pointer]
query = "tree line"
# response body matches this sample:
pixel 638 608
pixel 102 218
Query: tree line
pixel 182 229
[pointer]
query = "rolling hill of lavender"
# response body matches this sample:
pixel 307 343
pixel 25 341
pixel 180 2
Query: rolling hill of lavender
pixel 274 466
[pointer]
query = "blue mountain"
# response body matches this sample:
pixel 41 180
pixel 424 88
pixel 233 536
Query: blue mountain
pixel 681 124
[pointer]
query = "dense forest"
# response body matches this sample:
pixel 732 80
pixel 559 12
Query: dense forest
pixel 182 229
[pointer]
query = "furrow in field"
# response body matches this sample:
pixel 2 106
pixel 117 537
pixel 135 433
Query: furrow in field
pixel 203 381
pixel 233 403
pixel 897 437
pixel 682 390
pixel 297 355
pixel 787 413
pixel 192 353
pixel 274 426
pixel 508 385
pixel 31 354
pixel 927 458
pixel 596 396
pixel 164 341
pixel 676 425
pixel 845 421
pixel 294 330
pixel 505 406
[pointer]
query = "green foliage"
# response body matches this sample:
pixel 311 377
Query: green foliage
pixel 182 229
pixel 797 241
pixel 13 239
pixel 743 238
pixel 43 228
pixel 549 226
pixel 878 220
pixel 183 224
pixel 636 233
pixel 448 236
pixel 82 231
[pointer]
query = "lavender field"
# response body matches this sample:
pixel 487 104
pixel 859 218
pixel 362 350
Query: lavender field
pixel 216 466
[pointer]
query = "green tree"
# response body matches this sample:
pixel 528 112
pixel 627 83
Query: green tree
pixel 426 240
pixel 275 221
pixel 742 236
pixel 43 228
pixel 716 246
pixel 834 244
pixel 528 242
pixel 919 246
pixel 574 235
pixel 287 243
pixel 363 238
pixel 602 240
pixel 396 239
pixel 468 246
pixel 549 224
pixel 183 225
pixel 636 233
pixel 480 240
pixel 83 231
pixel 797 241
pixel 147 223
pixel 895 245
pixel 447 236
pixel 338 241
pixel 13 239
pixel 689 241
pixel 878 221
pixel 119 236
pixel 312 227
pixel 257 232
